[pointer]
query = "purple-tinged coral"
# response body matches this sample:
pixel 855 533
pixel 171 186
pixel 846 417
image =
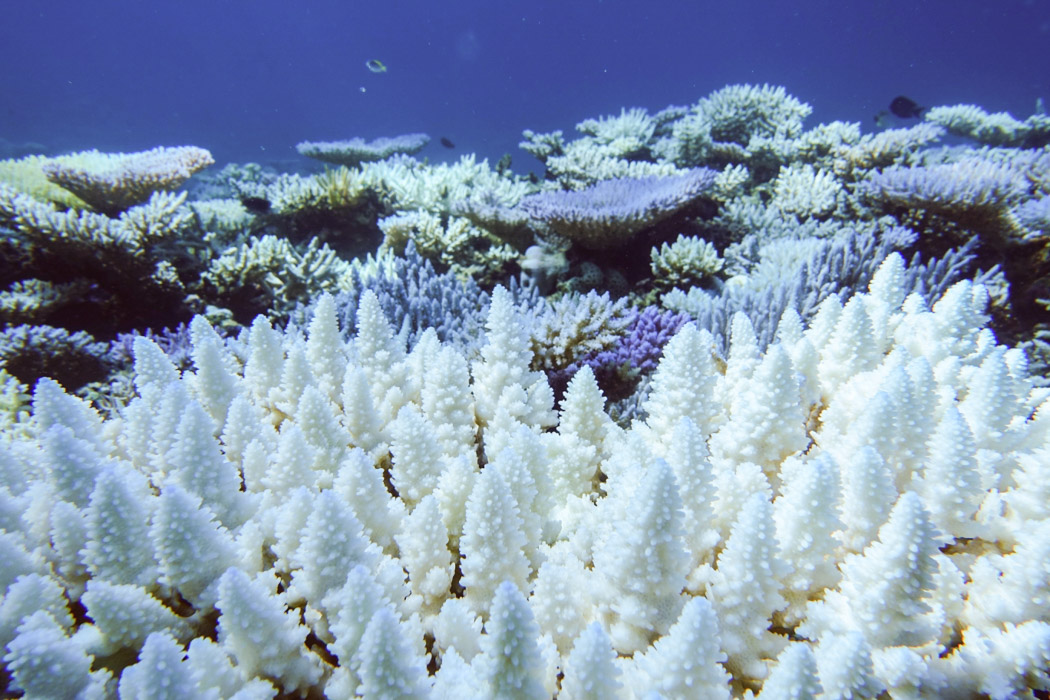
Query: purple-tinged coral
pixel 175 342
pixel 609 213
pixel 577 325
pixel 619 369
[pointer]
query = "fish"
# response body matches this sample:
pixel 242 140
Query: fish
pixel 256 205
pixel 882 119
pixel 906 108
pixel 446 143
pixel 375 65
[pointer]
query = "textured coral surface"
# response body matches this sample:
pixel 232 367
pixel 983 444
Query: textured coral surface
pixel 721 406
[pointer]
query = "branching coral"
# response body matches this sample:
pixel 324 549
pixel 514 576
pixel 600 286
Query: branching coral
pixel 316 576
pixel 843 487
pixel 269 274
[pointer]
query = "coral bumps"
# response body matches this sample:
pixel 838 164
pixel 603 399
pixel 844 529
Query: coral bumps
pixel 861 508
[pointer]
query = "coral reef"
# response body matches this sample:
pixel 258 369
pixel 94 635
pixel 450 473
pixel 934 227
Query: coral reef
pixel 297 512
pixel 722 405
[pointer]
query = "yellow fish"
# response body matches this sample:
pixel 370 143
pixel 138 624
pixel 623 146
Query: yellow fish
pixel 375 65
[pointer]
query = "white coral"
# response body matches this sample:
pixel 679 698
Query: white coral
pixel 874 486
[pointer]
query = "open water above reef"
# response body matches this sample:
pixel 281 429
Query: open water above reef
pixel 249 80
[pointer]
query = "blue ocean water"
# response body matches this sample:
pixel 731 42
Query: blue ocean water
pixel 248 80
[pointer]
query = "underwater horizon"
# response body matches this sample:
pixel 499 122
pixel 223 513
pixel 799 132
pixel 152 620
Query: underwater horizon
pixel 249 81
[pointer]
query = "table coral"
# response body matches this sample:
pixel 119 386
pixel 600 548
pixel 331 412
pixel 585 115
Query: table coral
pixel 113 182
pixel 355 151
pixel 608 214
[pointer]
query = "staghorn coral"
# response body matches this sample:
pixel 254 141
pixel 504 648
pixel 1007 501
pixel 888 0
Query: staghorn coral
pixel 803 276
pixel 366 474
pixel 113 182
pixel 268 274
pixel 686 263
pixel 136 515
pixel 576 325
pixel 414 297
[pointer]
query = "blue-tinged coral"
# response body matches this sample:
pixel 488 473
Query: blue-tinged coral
pixel 29 352
pixel 840 267
pixel 1034 215
pixel 608 214
pixel 967 192
pixel 576 325
pixel 993 129
pixel 414 297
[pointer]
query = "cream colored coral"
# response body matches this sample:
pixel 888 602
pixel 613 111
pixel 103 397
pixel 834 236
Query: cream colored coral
pixel 806 192
pixel 686 262
pixel 994 129
pixel 113 182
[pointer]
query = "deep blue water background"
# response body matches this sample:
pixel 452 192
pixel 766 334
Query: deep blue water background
pixel 250 79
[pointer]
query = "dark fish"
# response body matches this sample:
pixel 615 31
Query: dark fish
pixel 256 205
pixel 446 143
pixel 906 108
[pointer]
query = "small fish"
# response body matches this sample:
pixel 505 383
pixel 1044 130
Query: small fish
pixel 882 119
pixel 375 65
pixel 446 143
pixel 256 205
pixel 906 108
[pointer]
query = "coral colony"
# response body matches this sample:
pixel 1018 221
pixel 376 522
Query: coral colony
pixel 724 406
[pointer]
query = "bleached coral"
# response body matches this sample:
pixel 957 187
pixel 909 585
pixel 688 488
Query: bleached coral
pixel 998 129
pixel 363 544
pixel 806 192
pixel 113 182
pixel 355 151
